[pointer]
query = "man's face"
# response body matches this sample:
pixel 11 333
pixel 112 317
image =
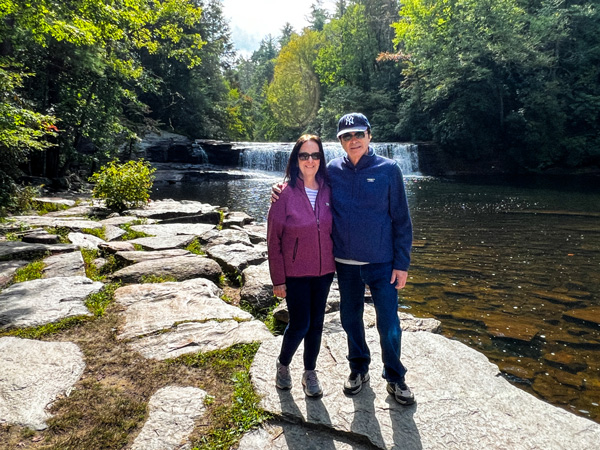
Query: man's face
pixel 355 145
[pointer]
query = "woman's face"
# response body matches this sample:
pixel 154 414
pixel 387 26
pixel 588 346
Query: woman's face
pixel 309 168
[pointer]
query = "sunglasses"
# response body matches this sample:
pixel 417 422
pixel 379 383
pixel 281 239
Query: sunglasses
pixel 304 156
pixel 348 136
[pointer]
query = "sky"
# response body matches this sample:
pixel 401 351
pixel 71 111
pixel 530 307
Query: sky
pixel 250 21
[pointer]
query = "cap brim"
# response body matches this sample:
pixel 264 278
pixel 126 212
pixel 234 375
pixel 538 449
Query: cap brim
pixel 352 130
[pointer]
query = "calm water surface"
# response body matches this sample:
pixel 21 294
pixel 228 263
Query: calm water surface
pixel 511 268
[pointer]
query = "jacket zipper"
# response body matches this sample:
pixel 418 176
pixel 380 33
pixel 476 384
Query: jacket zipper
pixel 295 251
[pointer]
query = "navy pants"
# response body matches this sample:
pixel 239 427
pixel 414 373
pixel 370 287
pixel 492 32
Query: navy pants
pixel 352 280
pixel 306 299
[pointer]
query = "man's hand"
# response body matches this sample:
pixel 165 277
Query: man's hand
pixel 279 290
pixel 399 278
pixel 275 191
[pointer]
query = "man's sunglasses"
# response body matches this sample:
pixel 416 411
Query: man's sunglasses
pixel 304 156
pixel 347 137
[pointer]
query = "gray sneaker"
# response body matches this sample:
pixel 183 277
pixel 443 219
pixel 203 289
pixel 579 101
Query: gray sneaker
pixel 283 380
pixel 355 382
pixel 311 385
pixel 401 393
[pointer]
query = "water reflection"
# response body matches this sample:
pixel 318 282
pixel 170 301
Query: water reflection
pixel 507 268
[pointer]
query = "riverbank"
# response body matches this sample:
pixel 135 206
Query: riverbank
pixel 135 353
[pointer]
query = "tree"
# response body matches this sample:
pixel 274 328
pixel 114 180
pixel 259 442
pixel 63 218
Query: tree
pixel 294 94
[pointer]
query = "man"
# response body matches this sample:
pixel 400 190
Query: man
pixel 372 237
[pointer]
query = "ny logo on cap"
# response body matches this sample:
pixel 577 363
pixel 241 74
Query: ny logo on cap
pixel 350 120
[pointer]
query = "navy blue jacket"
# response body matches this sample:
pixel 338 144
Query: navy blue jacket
pixel 371 221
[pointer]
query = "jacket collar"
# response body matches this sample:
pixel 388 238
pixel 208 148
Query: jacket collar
pixel 364 161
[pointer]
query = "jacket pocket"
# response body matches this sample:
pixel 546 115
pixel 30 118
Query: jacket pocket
pixel 295 251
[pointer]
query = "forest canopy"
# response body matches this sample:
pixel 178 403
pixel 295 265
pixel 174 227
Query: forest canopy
pixel 515 80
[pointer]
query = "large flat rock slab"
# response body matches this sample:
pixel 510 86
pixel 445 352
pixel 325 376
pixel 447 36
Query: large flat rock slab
pixel 461 400
pixel 169 209
pixel 154 307
pixel 64 265
pixel 175 229
pixel 8 270
pixel 33 375
pixel 10 250
pixel 193 337
pixel 280 435
pixel 178 267
pixel 173 412
pixel 73 223
pixel 38 302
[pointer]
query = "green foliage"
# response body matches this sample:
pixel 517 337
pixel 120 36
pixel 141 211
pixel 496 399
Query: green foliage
pixel 132 234
pixel 48 329
pixel 149 279
pixel 243 414
pixel 123 186
pixel 195 247
pixel 99 301
pixel 32 271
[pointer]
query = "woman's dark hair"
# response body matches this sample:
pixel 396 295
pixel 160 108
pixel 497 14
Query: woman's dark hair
pixel 292 170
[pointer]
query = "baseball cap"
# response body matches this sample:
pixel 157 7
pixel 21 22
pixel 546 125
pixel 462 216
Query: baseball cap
pixel 352 122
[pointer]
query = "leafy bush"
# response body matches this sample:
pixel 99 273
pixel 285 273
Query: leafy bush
pixel 123 186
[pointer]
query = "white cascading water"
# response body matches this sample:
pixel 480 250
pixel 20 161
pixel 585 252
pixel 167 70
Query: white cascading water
pixel 273 156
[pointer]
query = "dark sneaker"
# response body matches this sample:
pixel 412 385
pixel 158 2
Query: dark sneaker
pixel 311 385
pixel 401 393
pixel 355 382
pixel 283 380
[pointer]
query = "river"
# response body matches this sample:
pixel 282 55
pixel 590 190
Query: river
pixel 510 266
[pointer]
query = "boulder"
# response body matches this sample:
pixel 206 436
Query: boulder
pixel 64 265
pixel 235 258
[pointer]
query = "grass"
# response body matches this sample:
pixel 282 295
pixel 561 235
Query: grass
pixel 132 234
pixel 108 405
pixel 31 271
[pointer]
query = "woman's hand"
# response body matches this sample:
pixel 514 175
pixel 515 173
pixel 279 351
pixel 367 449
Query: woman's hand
pixel 279 290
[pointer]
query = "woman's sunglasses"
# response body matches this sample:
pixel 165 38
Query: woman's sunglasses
pixel 304 156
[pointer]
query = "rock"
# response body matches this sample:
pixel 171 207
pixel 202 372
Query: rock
pixel 173 413
pixel 517 328
pixel 112 232
pixel 34 374
pixel 588 316
pixel 461 402
pixel 174 229
pixel 224 237
pixel 164 242
pixel 64 265
pixel 280 435
pixel 116 220
pixel 155 307
pixel 55 201
pixel 236 218
pixel 78 224
pixel 257 288
pixel 47 300
pixel 22 250
pixel 557 297
pixel 168 209
pixel 257 233
pixel 210 217
pixel 83 240
pixel 191 337
pixel 281 312
pixel 235 258
pixel 139 256
pixel 41 237
pixel 110 248
pixel 565 361
pixel 179 267
pixel 8 269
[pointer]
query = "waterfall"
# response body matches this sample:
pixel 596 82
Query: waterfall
pixel 273 156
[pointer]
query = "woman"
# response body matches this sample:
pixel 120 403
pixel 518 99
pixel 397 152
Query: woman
pixel 301 257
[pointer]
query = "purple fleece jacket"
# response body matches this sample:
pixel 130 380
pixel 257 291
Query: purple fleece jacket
pixel 298 238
